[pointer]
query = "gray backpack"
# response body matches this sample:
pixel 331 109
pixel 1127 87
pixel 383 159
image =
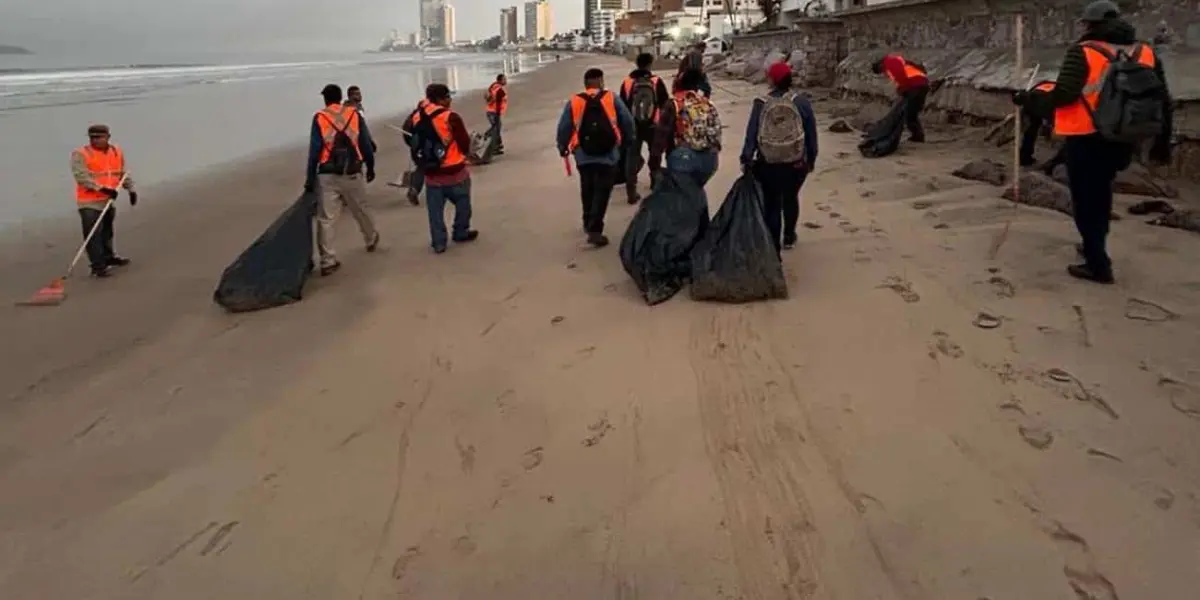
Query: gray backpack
pixel 780 131
pixel 1129 107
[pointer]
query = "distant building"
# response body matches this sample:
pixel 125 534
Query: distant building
pixel 449 28
pixel 592 7
pixel 604 27
pixel 537 20
pixel 432 20
pixel 508 25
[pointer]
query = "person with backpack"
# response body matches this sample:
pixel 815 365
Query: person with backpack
pixel 440 143
pixel 1110 96
pixel 644 93
pixel 688 132
pixel 912 86
pixel 593 126
pixel 339 149
pixel 780 149
pixel 497 106
pixel 416 179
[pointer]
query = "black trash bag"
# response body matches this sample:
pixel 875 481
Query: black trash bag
pixel 882 138
pixel 735 261
pixel 273 270
pixel 655 248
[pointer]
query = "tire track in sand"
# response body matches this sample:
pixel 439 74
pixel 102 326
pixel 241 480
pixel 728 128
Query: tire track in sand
pixel 758 445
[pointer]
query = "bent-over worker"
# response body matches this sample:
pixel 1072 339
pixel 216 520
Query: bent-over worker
pixel 98 169
pixel 912 84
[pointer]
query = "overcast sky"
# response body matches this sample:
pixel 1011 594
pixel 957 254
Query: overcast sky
pixel 84 26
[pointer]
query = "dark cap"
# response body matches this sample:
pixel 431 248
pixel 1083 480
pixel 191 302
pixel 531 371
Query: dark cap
pixel 98 130
pixel 437 91
pixel 1100 11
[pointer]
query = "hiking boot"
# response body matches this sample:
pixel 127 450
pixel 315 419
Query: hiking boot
pixel 789 243
pixel 597 240
pixel 373 245
pixel 470 236
pixel 1087 273
pixel 118 261
pixel 330 269
pixel 101 272
pixel 414 197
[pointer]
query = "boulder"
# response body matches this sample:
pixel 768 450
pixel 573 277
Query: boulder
pixel 986 170
pixel 1135 181
pixel 845 110
pixel 1187 220
pixel 796 60
pixel 1041 191
pixel 734 68
pixel 840 126
pixel 752 63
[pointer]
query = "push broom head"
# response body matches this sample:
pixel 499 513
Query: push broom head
pixel 51 295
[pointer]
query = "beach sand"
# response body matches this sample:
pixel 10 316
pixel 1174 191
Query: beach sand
pixel 510 421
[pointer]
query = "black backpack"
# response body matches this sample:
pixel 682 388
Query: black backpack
pixel 596 134
pixel 1132 96
pixel 643 100
pixel 428 149
pixel 343 151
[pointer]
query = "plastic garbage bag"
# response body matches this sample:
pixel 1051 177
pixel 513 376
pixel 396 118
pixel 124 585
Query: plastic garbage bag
pixel 483 147
pixel 882 138
pixel 273 270
pixel 656 246
pixel 735 261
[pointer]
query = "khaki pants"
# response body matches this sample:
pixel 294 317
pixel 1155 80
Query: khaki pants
pixel 338 191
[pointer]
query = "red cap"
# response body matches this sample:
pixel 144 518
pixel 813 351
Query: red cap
pixel 778 72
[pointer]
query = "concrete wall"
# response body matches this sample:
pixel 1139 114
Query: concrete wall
pixel 817 39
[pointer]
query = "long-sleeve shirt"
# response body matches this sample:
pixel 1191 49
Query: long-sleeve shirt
pixel 808 121
pixel 316 145
pixel 566 128
pixel 661 94
pixel 894 66
pixel 458 134
pixel 84 178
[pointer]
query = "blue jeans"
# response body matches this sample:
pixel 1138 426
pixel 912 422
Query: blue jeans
pixel 494 122
pixel 436 197
pixel 696 164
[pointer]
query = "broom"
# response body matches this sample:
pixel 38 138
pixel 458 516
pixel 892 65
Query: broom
pixel 56 292
pixel 1020 68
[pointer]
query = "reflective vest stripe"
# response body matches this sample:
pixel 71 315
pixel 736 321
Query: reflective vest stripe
pixel 1076 118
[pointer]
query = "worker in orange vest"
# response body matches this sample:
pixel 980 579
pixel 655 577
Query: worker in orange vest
pixel 593 127
pixel 912 84
pixel 1034 123
pixel 340 149
pixel 416 178
pixel 99 169
pixel 644 94
pixel 440 144
pixel 1100 141
pixel 497 106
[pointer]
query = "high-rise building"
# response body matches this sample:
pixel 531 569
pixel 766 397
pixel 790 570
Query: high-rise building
pixel 537 20
pixel 508 25
pixel 432 17
pixel 449 28
pixel 592 7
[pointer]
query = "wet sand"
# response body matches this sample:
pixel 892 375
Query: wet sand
pixel 509 420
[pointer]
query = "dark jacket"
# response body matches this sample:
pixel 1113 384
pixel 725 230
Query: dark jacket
pixel 458 132
pixel 808 120
pixel 566 129
pixel 1072 77
pixel 661 95
pixel 316 143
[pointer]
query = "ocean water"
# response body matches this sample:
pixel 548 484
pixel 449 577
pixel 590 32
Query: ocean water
pixel 189 114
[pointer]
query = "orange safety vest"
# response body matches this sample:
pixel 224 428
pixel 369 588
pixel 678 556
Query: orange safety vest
pixel 441 124
pixel 1076 118
pixel 579 101
pixel 627 85
pixel 421 104
pixel 334 118
pixel 494 104
pixel 107 169
pixel 910 70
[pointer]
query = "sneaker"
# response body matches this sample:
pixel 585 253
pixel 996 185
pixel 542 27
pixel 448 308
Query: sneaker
pixel 414 197
pixel 101 272
pixel 789 244
pixel 1087 273
pixel 470 236
pixel 597 240
pixel 374 243
pixel 118 261
pixel 330 269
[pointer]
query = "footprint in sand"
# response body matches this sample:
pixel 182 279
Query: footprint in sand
pixel 1183 396
pixel 532 458
pixel 1037 437
pixel 1144 310
pixel 1079 566
pixel 945 346
pixel 1002 287
pixel 902 287
pixel 599 429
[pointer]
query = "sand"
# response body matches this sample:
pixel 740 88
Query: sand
pixel 510 421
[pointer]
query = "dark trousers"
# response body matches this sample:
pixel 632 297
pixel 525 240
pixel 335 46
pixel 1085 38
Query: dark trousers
pixel 781 200
pixel 1092 164
pixel 634 160
pixel 595 188
pixel 1035 125
pixel 100 247
pixel 912 112
pixel 494 121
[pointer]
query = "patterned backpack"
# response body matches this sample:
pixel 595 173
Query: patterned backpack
pixel 697 124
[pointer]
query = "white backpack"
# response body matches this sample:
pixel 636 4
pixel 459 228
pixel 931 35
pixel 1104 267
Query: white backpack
pixel 780 131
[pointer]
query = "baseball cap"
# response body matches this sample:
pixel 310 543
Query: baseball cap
pixel 779 72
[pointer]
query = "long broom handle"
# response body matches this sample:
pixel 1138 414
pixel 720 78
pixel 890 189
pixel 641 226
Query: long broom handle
pixel 95 228
pixel 1020 69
